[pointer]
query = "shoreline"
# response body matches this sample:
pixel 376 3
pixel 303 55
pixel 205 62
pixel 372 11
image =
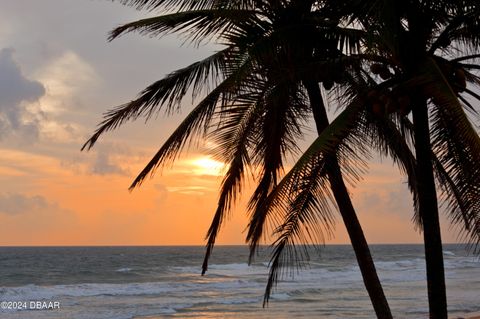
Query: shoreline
pixel 473 315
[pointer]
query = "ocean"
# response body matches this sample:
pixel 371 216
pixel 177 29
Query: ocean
pixel 165 282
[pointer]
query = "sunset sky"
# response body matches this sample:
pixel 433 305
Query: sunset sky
pixel 58 74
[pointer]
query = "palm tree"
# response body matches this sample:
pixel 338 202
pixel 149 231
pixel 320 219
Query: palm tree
pixel 417 38
pixel 259 103
pixel 424 46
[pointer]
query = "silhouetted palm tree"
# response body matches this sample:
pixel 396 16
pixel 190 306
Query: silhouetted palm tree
pixel 420 40
pixel 424 46
pixel 265 88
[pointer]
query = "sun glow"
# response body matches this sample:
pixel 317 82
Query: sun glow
pixel 207 166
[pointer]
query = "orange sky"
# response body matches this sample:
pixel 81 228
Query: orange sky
pixel 174 208
pixel 59 75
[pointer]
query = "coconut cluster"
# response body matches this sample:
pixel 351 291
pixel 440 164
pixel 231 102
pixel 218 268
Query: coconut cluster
pixel 386 102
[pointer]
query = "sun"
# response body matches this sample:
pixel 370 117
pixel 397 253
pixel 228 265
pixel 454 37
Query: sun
pixel 205 165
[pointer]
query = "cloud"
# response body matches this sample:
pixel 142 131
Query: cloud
pixel 188 190
pixel 107 159
pixel 49 108
pixel 15 204
pixel 67 79
pixel 104 165
pixel 15 89
pixel 34 220
pixel 162 191
pixel 389 200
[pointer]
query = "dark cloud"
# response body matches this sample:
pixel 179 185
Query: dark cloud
pixel 14 204
pixel 15 88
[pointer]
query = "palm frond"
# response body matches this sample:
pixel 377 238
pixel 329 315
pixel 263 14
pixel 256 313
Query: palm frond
pixel 387 139
pixel 458 177
pixel 282 126
pixel 457 146
pixel 446 102
pixel 468 105
pixel 350 40
pixel 197 120
pixel 234 137
pixel 448 34
pixel 467 29
pixel 472 93
pixel 466 57
pixel 197 25
pixel 169 91
pixel 181 5
pixel 302 199
pixel 450 192
pixel 309 216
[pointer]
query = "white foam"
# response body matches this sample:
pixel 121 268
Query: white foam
pixel 232 270
pixel 238 301
pixel 35 292
pixel 280 296
pixel 126 269
pixel 241 284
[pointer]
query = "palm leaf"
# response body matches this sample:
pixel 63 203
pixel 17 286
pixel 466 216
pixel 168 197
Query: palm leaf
pixel 466 57
pixel 302 224
pixel 281 128
pixel 181 5
pixel 387 139
pixel 196 25
pixel 234 138
pixel 302 198
pixel 457 146
pixel 196 121
pixel 169 91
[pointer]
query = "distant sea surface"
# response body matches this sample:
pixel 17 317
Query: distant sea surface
pixel 165 282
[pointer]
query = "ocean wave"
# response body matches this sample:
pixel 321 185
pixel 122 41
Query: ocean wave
pixel 229 270
pixel 35 292
pixel 126 269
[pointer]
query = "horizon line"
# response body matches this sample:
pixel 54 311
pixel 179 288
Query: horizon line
pixel 202 245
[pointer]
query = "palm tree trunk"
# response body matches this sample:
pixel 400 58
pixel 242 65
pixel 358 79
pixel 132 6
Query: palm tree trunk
pixel 352 224
pixel 428 209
